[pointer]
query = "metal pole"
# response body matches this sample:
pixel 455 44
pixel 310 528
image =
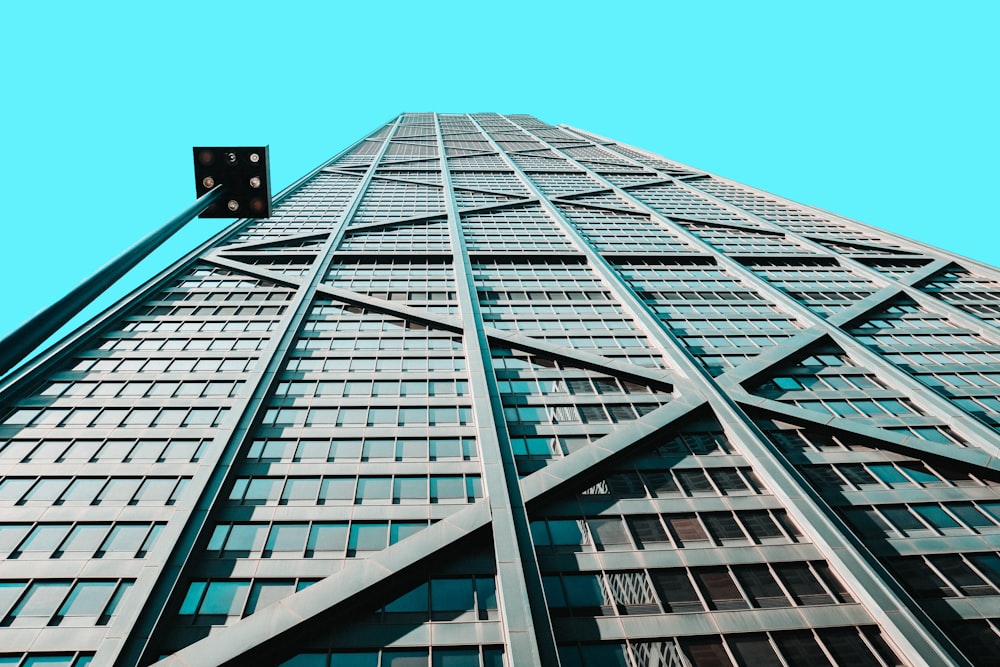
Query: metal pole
pixel 19 343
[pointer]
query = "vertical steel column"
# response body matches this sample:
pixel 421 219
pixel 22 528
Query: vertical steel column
pixel 530 638
pixel 909 628
pixel 20 342
pixel 134 644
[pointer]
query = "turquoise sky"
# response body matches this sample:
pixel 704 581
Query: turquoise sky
pixel 881 111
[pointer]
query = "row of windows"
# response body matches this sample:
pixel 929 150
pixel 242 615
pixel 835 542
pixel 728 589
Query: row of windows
pixel 369 364
pixel 950 381
pixel 432 275
pixel 653 531
pixel 378 388
pixel 918 520
pixel 189 365
pixel 940 359
pixel 335 318
pixel 897 475
pixel 667 483
pixel 696 325
pixel 356 490
pixel 369 449
pixel 928 340
pixel 210 311
pixel 580 386
pixel 103 451
pixel 822 648
pixel 308 539
pixel 261 295
pixel 376 416
pixel 680 590
pixel 115 417
pixel 47 660
pixel 484 656
pixel 949 575
pixel 427 237
pixel 576 414
pixel 193 326
pixel 139 389
pixel 211 601
pixel 40 603
pixel 778 386
pixel 84 491
pixel 188 344
pixel 867 407
pixel 522 312
pixel 368 346
pixel 77 541
pixel 504 321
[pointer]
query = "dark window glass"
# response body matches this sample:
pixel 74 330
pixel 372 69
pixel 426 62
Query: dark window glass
pixel 802 583
pixel 723 526
pixel 753 650
pixel 687 529
pixel 676 591
pixel 720 589
pixel 800 648
pixel 706 652
pixel 846 647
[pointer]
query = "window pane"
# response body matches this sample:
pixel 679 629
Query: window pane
pixel 225 597
pixel 287 537
pixel 367 536
pixel 327 538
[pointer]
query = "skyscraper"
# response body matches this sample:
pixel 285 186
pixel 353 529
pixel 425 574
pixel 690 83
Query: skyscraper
pixel 485 391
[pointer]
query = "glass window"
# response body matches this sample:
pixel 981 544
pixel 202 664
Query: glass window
pixel 761 586
pixel 124 541
pixel 753 649
pixel 585 592
pixel 409 490
pixel 687 529
pixel 367 537
pixel 676 591
pixel 43 540
pixel 802 583
pixel 937 517
pixel 721 591
pixel 83 540
pixel 86 603
pixel 609 533
pixel 373 490
pixel 266 593
pixel 224 598
pixel 11 534
pixel 119 490
pixel 460 657
pixel 723 526
pixel 447 490
pixel 415 601
pixel 451 595
pixel 648 531
pixel 38 604
pixel 800 648
pixel 337 490
pixel 300 491
pixel 327 539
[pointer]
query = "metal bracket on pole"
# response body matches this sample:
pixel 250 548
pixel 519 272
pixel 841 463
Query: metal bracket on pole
pixel 230 182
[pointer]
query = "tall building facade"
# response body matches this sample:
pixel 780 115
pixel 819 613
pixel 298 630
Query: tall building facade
pixel 487 392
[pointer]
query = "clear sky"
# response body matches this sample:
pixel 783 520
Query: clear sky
pixel 882 111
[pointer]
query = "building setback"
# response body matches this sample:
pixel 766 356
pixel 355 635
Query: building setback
pixel 489 392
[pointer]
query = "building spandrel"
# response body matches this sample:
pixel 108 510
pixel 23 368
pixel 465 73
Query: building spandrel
pixel 485 391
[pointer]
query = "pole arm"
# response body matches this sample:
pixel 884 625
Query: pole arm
pixel 19 343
